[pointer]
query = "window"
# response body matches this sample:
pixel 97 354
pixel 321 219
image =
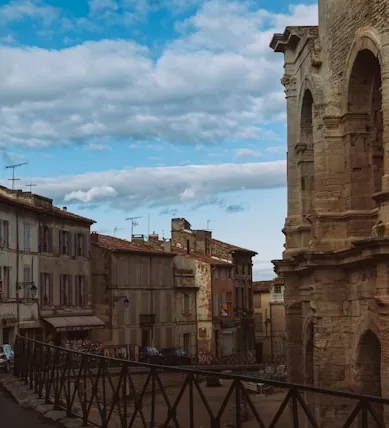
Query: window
pixel 45 239
pixel 65 290
pixel 187 343
pixel 186 304
pixel 7 281
pixel 259 322
pixel 223 273
pixel 46 289
pixel 277 289
pixel 4 233
pixel 65 242
pixel 229 303
pixel 27 247
pixel 80 245
pixel 81 292
pixel 215 305
pixel 216 273
pixel 27 281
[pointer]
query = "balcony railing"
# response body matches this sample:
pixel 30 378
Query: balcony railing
pixel 106 392
pixel 277 298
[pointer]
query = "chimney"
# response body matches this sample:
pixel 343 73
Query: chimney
pixel 65 208
pixel 153 237
pixel 167 246
pixel 138 237
pixel 94 237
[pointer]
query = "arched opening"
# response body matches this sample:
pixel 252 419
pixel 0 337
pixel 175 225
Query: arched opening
pixel 365 128
pixel 368 369
pixel 306 158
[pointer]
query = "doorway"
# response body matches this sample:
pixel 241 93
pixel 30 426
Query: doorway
pixel 259 352
pixel 145 341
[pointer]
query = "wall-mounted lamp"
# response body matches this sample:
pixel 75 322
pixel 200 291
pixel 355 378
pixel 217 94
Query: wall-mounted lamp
pixel 124 298
pixel 33 288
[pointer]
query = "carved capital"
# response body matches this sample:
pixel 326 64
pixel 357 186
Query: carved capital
pixel 316 54
pixel 289 84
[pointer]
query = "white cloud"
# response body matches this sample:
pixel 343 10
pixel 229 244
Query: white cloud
pixel 18 10
pixel 276 149
pixel 246 153
pixel 94 194
pixel 162 186
pixel 218 81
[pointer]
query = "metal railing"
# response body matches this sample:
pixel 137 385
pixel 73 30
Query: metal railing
pixel 143 395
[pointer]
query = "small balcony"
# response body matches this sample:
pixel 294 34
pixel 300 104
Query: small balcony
pixel 277 298
pixel 146 319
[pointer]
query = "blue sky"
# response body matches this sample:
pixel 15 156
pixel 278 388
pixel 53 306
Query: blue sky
pixel 151 108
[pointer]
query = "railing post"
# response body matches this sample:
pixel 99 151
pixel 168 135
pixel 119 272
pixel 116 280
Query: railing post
pixel 153 374
pixel 295 411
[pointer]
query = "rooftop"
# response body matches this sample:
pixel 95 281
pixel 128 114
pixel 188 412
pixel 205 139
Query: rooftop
pixel 180 251
pixel 38 204
pixel 230 247
pixel 111 243
pixel 262 286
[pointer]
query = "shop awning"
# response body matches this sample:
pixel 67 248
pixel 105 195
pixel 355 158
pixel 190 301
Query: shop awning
pixel 75 323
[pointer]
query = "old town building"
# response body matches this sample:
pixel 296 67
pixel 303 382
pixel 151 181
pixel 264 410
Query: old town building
pixel 335 262
pixel 270 328
pixel 133 292
pixel 45 268
pixel 224 300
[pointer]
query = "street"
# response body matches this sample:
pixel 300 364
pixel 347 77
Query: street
pixel 14 416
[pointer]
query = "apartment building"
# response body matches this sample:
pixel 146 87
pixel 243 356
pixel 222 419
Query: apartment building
pixel 133 292
pixel 226 290
pixel 270 326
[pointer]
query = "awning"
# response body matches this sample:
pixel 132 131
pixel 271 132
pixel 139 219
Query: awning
pixel 75 323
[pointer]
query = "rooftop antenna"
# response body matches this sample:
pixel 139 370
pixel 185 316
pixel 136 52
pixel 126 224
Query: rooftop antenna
pixel 134 223
pixel 208 223
pixel 13 179
pixel 116 229
pixel 31 185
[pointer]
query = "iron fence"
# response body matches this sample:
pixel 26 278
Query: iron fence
pixel 144 395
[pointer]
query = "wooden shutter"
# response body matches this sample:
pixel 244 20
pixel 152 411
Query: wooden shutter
pixel 50 239
pixel 60 243
pixel 40 238
pixel 86 291
pixel 70 243
pixel 84 246
pixel 61 290
pixel 42 290
pixel 70 291
pixel 51 289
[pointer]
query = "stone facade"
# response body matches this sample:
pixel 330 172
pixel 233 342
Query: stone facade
pixel 335 262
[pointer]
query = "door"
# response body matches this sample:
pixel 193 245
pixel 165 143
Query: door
pixel 259 352
pixel 228 344
pixel 145 337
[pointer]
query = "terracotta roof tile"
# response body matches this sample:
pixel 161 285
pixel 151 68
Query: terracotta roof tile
pixel 262 286
pixel 114 244
pixel 24 199
pixel 180 251
pixel 230 247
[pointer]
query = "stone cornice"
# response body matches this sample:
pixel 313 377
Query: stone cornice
pixel 291 37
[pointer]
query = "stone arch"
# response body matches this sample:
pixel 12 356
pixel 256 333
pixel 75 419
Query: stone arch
pixel 363 120
pixel 313 84
pixel 366 38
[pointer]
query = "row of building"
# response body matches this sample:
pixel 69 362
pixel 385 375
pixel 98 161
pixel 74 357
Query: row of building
pixel 60 282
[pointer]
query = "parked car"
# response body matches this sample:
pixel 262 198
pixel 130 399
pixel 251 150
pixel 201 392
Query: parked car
pixel 150 355
pixel 175 357
pixel 6 357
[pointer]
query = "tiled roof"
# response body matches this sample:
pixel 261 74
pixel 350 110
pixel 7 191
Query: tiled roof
pixel 16 199
pixel 262 286
pixel 229 247
pixel 114 244
pixel 200 257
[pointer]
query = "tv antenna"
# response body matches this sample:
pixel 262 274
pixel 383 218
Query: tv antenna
pixel 134 223
pixel 116 229
pixel 31 185
pixel 208 223
pixel 13 179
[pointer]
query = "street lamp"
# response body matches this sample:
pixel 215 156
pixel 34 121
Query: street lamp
pixel 24 285
pixel 125 301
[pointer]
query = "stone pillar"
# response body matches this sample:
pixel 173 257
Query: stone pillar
pixel 383 200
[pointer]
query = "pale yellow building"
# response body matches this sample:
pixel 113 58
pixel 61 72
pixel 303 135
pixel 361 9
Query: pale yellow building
pixel 270 327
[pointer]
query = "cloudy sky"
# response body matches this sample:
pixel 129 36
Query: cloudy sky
pixel 151 108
